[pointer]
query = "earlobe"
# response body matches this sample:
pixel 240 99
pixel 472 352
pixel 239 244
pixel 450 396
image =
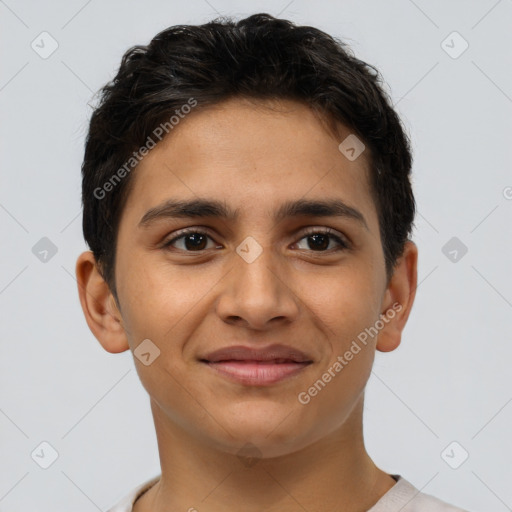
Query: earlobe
pixel 399 298
pixel 99 307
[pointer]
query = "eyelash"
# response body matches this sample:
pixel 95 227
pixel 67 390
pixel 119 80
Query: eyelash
pixel 343 244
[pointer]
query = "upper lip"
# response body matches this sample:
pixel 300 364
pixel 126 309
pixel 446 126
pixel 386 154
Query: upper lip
pixel 270 353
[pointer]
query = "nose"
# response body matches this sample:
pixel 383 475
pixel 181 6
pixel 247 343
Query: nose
pixel 257 295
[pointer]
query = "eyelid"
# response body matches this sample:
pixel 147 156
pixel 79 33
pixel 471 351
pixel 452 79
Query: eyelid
pixel 324 230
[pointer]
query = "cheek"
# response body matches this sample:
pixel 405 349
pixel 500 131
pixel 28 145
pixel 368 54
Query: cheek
pixel 345 304
pixel 163 308
pixel 156 297
pixel 347 307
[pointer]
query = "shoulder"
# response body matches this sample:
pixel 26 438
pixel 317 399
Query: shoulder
pixel 126 504
pixel 404 497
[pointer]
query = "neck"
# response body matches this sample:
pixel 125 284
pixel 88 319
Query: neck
pixel 333 473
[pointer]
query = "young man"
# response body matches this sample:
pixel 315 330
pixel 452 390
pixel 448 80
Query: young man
pixel 248 206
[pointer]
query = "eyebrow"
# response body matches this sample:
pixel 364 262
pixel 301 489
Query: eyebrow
pixel 203 208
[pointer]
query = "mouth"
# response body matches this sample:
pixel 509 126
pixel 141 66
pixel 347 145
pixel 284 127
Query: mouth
pixel 257 367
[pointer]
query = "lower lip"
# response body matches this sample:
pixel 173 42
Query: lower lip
pixel 252 373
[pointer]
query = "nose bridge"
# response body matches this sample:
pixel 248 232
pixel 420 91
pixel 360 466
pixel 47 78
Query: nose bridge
pixel 256 277
pixel 254 291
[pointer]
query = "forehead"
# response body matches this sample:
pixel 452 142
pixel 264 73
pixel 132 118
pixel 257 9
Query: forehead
pixel 252 154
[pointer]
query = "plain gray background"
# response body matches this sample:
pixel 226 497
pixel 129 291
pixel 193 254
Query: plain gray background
pixel 449 381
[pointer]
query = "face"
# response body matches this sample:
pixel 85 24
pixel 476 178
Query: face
pixel 310 278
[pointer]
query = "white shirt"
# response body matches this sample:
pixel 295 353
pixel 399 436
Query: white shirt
pixel 402 497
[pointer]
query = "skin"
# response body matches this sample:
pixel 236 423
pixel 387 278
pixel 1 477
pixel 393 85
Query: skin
pixel 309 457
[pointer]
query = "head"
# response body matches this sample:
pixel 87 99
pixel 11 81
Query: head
pixel 243 126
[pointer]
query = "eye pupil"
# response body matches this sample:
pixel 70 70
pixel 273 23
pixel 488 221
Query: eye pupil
pixel 197 238
pixel 316 238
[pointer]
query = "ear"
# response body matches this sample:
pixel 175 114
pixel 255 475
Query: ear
pixel 98 304
pixel 399 297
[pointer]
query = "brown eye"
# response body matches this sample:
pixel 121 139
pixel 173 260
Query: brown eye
pixel 191 241
pixel 319 241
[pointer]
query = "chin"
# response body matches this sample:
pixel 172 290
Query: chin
pixel 263 434
pixel 253 446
